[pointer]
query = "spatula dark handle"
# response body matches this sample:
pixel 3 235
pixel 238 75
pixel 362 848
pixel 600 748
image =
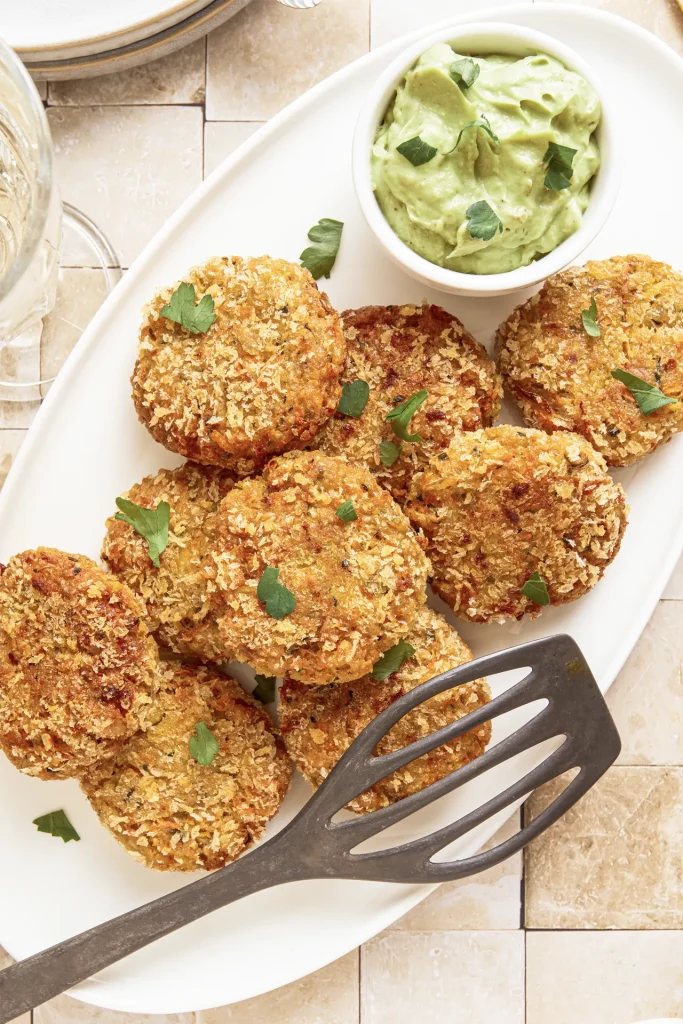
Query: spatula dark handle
pixel 34 981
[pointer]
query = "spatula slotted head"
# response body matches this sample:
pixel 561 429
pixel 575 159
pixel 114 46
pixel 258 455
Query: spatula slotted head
pixel 575 709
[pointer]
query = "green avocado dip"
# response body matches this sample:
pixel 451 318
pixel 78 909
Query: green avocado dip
pixel 505 190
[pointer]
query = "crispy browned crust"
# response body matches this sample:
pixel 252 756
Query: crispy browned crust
pixel 77 663
pixel 262 380
pixel 175 595
pixel 505 502
pixel 319 723
pixel 399 350
pixel 561 377
pixel 174 814
pixel 358 585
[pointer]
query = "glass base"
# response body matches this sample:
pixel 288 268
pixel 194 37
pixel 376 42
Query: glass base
pixel 88 271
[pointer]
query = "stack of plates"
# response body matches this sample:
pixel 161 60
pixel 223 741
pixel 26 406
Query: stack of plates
pixel 78 38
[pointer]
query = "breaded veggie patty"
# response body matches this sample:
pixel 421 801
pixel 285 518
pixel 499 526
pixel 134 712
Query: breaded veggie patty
pixel 319 723
pixel 175 594
pixel 77 663
pixel 261 380
pixel 561 376
pixel 504 503
pixel 398 351
pixel 357 585
pixel 175 814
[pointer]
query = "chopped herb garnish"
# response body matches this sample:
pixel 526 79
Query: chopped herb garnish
pixel 265 688
pixel 483 221
pixel 536 590
pixel 648 396
pixel 401 415
pixel 320 257
pixel 150 523
pixel 203 744
pixel 389 452
pixel 182 309
pixel 589 318
pixel 392 660
pixel 57 824
pixel 417 151
pixel 558 162
pixel 347 512
pixel 465 72
pixel 480 122
pixel 354 398
pixel 278 600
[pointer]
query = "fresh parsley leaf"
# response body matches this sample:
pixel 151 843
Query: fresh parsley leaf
pixel 392 660
pixel 150 523
pixel 465 72
pixel 347 512
pixel 388 452
pixel 480 122
pixel 401 415
pixel 483 221
pixel 320 257
pixel 182 309
pixel 417 151
pixel 265 688
pixel 354 398
pixel 648 396
pixel 536 590
pixel 278 600
pixel 589 318
pixel 203 744
pixel 558 162
pixel 57 824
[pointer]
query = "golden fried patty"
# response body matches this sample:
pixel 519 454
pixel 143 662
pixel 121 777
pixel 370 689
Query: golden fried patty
pixel 561 376
pixel 175 594
pixel 77 663
pixel 504 503
pixel 399 350
pixel 358 585
pixel 319 723
pixel 175 814
pixel 261 380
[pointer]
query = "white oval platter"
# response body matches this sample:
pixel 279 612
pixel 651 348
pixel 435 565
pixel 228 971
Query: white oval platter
pixel 86 446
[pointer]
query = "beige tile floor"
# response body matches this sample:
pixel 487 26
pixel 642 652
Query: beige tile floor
pixel 602 895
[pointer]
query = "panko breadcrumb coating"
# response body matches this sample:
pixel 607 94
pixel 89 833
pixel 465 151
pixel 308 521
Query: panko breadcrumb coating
pixel 503 503
pixel 399 350
pixel 561 377
pixel 319 723
pixel 263 378
pixel 358 585
pixel 175 814
pixel 175 594
pixel 77 663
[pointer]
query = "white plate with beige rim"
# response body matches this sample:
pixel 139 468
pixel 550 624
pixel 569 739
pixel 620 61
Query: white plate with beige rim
pixel 45 30
pixel 86 446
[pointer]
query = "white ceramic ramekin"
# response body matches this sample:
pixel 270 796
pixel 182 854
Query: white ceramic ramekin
pixel 480 39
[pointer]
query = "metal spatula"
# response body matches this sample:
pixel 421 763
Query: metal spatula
pixel 313 845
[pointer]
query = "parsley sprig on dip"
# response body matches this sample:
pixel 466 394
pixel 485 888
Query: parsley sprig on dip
pixel 183 309
pixel 320 257
pixel 150 523
pixel 417 151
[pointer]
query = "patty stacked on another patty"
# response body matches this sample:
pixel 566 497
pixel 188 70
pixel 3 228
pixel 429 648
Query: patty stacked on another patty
pixel 175 814
pixel 562 377
pixel 319 723
pixel 502 504
pixel 78 667
pixel 261 380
